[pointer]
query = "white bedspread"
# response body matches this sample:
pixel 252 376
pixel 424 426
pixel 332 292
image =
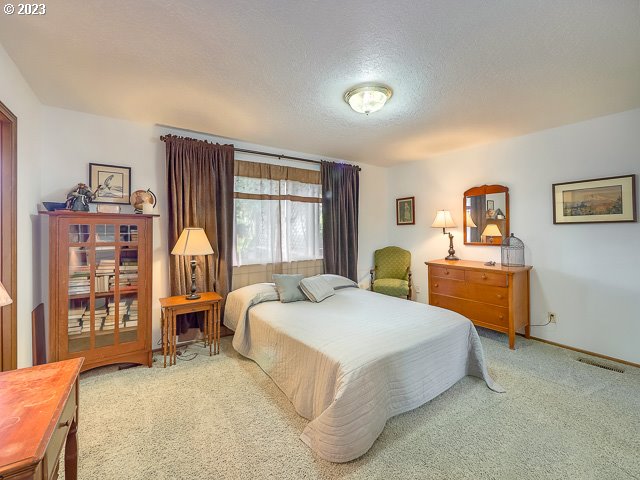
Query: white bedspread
pixel 355 360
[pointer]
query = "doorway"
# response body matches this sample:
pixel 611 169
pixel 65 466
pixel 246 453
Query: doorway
pixel 8 204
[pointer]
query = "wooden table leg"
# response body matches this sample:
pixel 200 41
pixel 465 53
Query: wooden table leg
pixel 210 330
pixel 174 337
pixel 163 320
pixel 71 453
pixel 217 328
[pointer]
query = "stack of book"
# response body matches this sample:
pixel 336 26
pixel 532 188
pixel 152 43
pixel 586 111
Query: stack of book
pixel 105 273
pixel 131 319
pixel 76 316
pixel 79 280
pixel 128 278
pixel 100 313
pixel 110 319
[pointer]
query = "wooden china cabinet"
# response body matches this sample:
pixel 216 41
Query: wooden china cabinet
pixel 100 287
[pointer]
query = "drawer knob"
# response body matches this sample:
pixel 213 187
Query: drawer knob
pixel 446 272
pixel 435 285
pixel 484 277
pixel 64 424
pixel 500 317
pixel 499 295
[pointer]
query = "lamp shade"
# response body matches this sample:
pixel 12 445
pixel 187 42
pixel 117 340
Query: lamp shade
pixel 491 230
pixel 192 241
pixel 443 220
pixel 470 222
pixel 5 299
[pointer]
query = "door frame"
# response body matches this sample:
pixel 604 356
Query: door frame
pixel 8 241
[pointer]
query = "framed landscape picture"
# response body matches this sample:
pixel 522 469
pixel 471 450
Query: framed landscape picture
pixel 601 200
pixel 405 211
pixel 111 183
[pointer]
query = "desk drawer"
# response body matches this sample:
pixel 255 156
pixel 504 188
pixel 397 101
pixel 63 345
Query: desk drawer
pixel 487 278
pixel 59 435
pixel 445 272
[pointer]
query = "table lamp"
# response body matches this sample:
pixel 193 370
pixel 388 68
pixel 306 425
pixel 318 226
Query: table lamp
pixel 192 241
pixel 5 299
pixel 470 222
pixel 443 220
pixel 491 230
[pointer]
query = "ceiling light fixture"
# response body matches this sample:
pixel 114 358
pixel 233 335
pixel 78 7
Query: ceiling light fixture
pixel 368 98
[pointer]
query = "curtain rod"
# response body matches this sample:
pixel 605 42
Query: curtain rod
pixel 267 154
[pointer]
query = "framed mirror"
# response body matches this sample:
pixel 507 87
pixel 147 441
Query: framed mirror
pixel 486 215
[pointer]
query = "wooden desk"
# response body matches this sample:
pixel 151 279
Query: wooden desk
pixel 209 302
pixel 38 415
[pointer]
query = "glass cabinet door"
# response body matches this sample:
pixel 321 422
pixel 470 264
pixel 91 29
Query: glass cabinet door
pixel 79 294
pixel 128 288
pixel 102 293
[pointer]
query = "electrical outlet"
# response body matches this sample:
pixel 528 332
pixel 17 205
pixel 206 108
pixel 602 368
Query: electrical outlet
pixel 552 317
pixel 418 288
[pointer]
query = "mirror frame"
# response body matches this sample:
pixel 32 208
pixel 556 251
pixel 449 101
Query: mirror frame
pixel 484 190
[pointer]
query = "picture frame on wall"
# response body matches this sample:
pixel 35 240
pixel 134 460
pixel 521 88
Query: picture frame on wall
pixel 405 211
pixel 112 183
pixel 601 200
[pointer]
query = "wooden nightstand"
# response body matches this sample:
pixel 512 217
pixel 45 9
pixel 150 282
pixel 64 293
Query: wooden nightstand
pixel 209 302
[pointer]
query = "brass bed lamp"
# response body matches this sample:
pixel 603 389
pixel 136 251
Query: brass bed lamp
pixel 192 242
pixel 443 220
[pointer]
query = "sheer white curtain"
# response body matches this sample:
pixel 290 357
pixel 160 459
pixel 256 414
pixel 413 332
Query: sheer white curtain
pixel 277 215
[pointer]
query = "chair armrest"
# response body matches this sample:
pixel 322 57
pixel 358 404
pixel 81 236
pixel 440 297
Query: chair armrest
pixel 371 272
pixel 410 284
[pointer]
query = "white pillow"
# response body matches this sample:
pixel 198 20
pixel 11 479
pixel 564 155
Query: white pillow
pixel 316 288
pixel 338 282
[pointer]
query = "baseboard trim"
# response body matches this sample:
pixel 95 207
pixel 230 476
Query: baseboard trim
pixel 587 352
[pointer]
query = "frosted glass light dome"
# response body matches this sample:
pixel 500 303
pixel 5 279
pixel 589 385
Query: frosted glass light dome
pixel 368 98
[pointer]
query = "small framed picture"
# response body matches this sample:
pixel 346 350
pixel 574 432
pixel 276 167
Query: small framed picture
pixel 112 183
pixel 490 204
pixel 405 211
pixel 602 200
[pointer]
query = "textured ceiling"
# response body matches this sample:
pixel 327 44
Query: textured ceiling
pixel 273 72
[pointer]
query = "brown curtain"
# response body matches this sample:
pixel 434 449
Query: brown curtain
pixel 200 181
pixel 478 215
pixel 340 196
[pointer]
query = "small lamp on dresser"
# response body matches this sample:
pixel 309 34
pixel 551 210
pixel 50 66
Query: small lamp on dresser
pixel 192 242
pixel 492 234
pixel 443 220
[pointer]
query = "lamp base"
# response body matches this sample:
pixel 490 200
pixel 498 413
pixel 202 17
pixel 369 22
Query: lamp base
pixel 192 296
pixel 452 252
pixel 451 257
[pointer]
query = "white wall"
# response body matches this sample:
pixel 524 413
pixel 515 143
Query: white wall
pixel 72 140
pixel 16 94
pixel 586 274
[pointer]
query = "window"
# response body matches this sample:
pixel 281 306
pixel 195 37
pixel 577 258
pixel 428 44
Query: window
pixel 278 214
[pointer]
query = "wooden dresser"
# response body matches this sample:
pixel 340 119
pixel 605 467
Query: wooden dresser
pixel 39 416
pixel 492 297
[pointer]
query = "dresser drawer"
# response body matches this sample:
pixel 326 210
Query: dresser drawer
pixel 447 286
pixel 60 433
pixel 487 314
pixel 445 272
pixel 450 303
pixel 486 278
pixel 487 294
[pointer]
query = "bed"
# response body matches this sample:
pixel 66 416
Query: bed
pixel 354 360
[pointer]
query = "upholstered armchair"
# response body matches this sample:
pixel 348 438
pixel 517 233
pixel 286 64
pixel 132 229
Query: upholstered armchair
pixel 391 274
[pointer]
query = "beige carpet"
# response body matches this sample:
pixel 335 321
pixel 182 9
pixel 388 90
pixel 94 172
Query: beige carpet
pixel 222 417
